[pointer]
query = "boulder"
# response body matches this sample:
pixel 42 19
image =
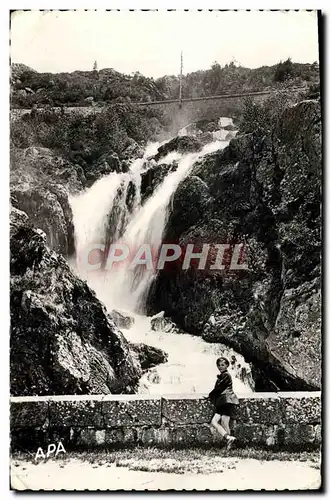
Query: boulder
pixel 62 339
pixel 230 127
pixel 160 323
pixel 183 144
pixel 122 321
pixel 263 191
pixel 148 355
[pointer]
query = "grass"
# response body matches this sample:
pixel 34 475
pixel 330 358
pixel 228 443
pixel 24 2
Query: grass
pixel 177 461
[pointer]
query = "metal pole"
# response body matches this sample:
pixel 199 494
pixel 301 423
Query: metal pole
pixel 180 79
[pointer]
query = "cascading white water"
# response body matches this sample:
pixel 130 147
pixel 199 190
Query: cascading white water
pixel 91 208
pixel 124 289
pixel 127 288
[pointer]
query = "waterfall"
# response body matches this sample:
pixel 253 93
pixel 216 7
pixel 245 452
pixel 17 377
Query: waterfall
pixel 103 207
pixel 128 288
pixel 102 214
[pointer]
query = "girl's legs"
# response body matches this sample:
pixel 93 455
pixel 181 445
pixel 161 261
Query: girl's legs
pixel 223 428
pixel 226 424
pixel 225 420
pixel 219 427
pixel 232 425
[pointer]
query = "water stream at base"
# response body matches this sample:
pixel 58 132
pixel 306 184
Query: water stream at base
pixel 191 361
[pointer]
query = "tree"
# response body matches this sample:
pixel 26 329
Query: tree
pixel 284 70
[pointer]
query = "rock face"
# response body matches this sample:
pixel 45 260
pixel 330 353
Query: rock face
pixel 40 186
pixel 62 339
pixel 50 211
pixel 264 192
pixel 165 325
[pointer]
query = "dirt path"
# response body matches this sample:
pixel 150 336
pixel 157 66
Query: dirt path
pixel 241 474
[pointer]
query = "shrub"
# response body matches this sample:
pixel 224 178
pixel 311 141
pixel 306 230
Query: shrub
pixel 263 117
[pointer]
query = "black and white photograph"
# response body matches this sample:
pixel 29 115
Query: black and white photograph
pixel 165 250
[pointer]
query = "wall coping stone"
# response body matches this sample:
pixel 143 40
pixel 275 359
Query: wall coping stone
pixel 135 397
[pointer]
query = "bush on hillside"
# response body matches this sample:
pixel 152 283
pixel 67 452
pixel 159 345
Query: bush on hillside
pixel 84 138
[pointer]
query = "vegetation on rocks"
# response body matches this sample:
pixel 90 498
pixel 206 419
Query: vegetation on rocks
pixel 84 139
pixel 233 78
pixel 30 88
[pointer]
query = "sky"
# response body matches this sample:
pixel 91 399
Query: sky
pixel 150 42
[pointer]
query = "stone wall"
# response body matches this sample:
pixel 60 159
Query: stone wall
pixel 274 420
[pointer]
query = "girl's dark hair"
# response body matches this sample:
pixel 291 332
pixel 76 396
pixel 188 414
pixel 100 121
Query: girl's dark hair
pixel 222 359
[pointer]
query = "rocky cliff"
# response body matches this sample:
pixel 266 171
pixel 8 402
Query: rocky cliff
pixel 40 183
pixel 263 191
pixel 62 339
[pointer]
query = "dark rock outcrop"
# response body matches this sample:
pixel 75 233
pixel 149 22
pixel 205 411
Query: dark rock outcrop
pixel 189 203
pixel 182 144
pixel 207 125
pixel 62 339
pixel 153 177
pixel 149 356
pixel 107 163
pixel 50 211
pixel 264 192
